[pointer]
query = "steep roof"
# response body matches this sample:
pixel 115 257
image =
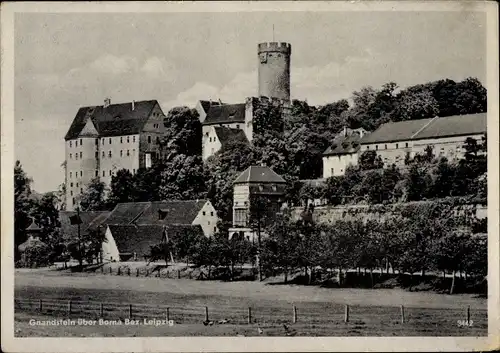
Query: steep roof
pixel 114 120
pixel 138 239
pixel 176 211
pixel 396 131
pixel 90 220
pixel 259 174
pixel 227 135
pixel 226 113
pixel 207 104
pixel 344 144
pixel 455 125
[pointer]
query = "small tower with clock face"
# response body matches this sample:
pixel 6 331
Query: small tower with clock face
pixel 274 70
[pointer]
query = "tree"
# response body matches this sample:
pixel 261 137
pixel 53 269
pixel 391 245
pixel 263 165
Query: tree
pixel 183 133
pixel 22 206
pixel 412 104
pixel 122 185
pixel 183 178
pixel 93 197
pixel 417 183
pixel 370 160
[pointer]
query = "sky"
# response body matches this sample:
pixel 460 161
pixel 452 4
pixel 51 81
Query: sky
pixel 66 61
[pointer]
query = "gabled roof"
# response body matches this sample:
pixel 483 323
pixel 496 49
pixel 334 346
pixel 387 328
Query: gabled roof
pixel 138 239
pixel 259 174
pixel 114 120
pixel 455 125
pixel 344 144
pixel 396 131
pixel 33 227
pixel 173 212
pixel 226 113
pixel 29 243
pixel 227 135
pixel 90 220
pixel 207 104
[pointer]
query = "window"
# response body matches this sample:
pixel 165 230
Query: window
pixel 121 139
pixel 215 229
pixel 406 144
pixel 81 173
pixel 211 214
pixel 331 171
pixel 133 138
pixel 367 147
pixel 149 139
pixel 81 142
pixel 70 156
pixel 71 193
pixel 103 173
pixel 396 145
pixel 158 139
pixel 80 155
pixel 96 173
pixel 76 143
pixel 128 139
pixel 110 140
pixel 109 154
pixel 121 153
pixel 385 146
pixel 71 184
pixel 133 151
pixel 103 154
pixel 376 147
pixel 133 171
pixel 110 173
pixel 128 153
pixel 81 190
pixel 209 139
pixel 237 126
pixel 73 200
pixel 204 212
pixel 96 154
pixel 102 141
pixel 76 156
pixel 96 142
pixel 76 184
pixel 70 175
pixel 70 144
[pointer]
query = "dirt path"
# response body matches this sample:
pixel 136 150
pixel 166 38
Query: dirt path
pixel 254 290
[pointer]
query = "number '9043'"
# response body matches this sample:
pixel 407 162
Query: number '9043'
pixel 465 323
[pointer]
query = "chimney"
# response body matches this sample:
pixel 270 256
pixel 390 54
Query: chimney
pixel 107 102
pixel 133 105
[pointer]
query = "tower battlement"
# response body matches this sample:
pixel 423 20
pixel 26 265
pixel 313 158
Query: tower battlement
pixel 281 47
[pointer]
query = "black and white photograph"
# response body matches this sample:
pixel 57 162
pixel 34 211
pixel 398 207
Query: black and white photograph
pixel 248 170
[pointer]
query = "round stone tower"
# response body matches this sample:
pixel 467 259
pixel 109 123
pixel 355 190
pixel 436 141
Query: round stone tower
pixel 274 70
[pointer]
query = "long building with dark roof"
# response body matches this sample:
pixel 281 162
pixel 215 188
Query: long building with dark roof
pixel 104 139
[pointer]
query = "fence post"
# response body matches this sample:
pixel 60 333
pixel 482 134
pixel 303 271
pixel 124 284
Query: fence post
pixel 294 314
pixel 130 311
pixel 147 273
pixel 69 307
pixel 110 270
pixel 178 274
pixel 129 271
pixel 206 313
pixel 40 307
pixel 118 272
pixel 102 269
pixel 346 315
pixel 468 315
pixel 101 310
pixel 167 315
pixel 137 272
pixel 249 315
pixel 402 314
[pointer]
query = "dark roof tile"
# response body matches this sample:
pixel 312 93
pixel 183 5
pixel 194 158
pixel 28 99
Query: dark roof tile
pixel 226 113
pixel 259 174
pixel 114 120
pixel 456 125
pixel 227 135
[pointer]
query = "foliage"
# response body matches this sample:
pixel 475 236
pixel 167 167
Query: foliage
pixel 93 197
pixel 183 178
pixel 22 205
pixel 370 160
pixel 122 186
pixel 183 132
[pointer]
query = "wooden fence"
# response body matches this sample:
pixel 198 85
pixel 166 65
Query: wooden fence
pixel 189 314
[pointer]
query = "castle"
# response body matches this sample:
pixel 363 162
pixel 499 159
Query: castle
pixel 224 122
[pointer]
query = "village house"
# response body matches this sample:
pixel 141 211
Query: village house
pixel 254 183
pixel 104 139
pixel 181 212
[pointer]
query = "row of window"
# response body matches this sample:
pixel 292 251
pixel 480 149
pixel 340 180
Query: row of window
pixel 385 146
pixel 110 154
pixel 110 173
pixel 110 140
pixel 211 214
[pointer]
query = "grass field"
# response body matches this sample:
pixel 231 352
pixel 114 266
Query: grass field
pixel 320 311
